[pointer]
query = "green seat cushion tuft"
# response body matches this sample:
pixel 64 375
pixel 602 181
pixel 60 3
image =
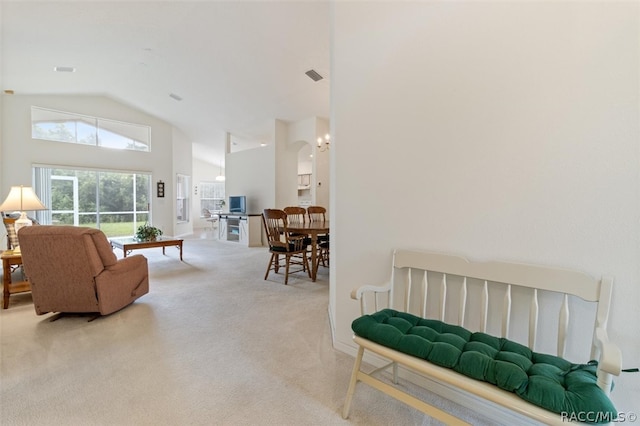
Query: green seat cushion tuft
pixel 545 380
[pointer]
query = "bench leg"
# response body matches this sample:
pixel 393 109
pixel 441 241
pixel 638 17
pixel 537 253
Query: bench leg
pixel 352 383
pixel 429 410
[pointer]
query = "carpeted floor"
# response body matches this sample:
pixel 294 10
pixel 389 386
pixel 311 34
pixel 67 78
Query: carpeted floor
pixel 211 344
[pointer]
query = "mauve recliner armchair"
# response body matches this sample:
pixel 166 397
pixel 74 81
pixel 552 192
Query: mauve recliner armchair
pixel 74 270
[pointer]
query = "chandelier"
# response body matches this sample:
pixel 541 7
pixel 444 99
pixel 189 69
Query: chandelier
pixel 323 144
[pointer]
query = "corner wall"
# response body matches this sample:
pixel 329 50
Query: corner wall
pixel 505 130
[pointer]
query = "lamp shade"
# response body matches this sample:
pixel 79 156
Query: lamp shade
pixel 21 198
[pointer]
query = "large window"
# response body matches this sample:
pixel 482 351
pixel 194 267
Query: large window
pixel 182 198
pixel 69 127
pixel 114 202
pixel 211 198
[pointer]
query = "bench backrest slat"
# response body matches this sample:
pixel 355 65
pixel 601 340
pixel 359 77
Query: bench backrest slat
pixel 443 297
pixel 533 319
pixel 506 312
pixel 408 292
pixel 484 307
pixel 563 325
pixel 463 302
pixel 425 292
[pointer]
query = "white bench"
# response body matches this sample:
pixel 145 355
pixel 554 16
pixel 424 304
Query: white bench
pixel 422 283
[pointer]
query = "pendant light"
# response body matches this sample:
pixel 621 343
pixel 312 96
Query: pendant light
pixel 220 177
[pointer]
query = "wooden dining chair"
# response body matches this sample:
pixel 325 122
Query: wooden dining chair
pixel 282 243
pixel 296 214
pixel 318 214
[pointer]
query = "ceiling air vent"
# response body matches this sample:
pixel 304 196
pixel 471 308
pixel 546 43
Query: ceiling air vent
pixel 174 96
pixel 64 69
pixel 313 75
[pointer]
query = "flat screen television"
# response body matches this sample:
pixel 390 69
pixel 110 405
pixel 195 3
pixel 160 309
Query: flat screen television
pixel 237 204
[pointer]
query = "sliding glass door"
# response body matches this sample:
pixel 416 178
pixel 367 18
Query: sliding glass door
pixel 115 202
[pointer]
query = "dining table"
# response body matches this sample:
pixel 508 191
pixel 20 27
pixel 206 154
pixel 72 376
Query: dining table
pixel 313 230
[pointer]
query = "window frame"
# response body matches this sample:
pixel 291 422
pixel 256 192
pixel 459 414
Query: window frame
pixel 97 131
pixel 43 187
pixel 218 200
pixel 183 198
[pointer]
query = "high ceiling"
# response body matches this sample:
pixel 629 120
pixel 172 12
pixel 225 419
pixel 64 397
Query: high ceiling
pixel 236 65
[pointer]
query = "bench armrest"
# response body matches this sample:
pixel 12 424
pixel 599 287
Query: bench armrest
pixel 609 362
pixel 610 357
pixel 359 293
pixel 356 293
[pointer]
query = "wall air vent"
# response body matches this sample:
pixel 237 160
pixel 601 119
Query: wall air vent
pixel 313 75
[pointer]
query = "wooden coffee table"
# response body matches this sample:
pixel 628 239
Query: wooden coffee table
pixel 128 244
pixel 9 259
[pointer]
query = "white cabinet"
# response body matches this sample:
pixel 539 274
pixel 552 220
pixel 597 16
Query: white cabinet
pixel 245 229
pixel 304 182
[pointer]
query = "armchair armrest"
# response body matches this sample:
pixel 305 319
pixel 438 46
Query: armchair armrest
pixel 127 264
pixel 120 284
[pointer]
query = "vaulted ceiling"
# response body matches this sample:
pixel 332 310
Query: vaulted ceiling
pixel 235 65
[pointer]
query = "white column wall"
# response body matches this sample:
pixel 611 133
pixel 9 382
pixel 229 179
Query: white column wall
pixel 321 163
pixel 252 173
pixel 286 167
pixel 183 164
pixel 505 130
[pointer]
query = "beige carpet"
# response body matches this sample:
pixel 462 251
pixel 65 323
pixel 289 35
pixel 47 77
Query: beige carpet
pixel 211 344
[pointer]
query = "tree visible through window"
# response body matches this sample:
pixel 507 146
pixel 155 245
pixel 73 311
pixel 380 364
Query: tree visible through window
pixel 69 127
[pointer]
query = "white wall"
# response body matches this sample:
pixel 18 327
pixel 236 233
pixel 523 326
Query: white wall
pixel 20 152
pixel 286 167
pixel 252 173
pixel 321 167
pixel 505 130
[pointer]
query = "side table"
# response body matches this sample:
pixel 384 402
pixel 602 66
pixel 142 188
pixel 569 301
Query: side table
pixel 9 259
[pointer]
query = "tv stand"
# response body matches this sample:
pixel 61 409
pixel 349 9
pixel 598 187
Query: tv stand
pixel 243 228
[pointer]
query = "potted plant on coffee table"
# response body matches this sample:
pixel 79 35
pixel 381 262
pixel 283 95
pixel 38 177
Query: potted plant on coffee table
pixel 147 232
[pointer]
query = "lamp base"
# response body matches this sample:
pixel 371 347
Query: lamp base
pixel 22 221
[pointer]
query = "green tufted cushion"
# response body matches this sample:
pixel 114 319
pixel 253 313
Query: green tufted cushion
pixel 545 380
